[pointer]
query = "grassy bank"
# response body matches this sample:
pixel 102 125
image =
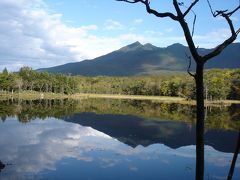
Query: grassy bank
pixel 31 95
pixel 166 99
pixel 134 97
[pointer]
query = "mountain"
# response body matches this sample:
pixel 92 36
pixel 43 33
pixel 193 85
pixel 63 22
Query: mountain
pixel 138 59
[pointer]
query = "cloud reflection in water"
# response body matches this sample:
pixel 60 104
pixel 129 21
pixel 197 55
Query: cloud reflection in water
pixel 41 146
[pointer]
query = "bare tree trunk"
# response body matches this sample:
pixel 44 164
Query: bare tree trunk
pixel 200 60
pixel 200 122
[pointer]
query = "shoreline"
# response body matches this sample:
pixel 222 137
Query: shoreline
pixel 166 99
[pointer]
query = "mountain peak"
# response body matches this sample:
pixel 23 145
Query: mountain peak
pixel 137 43
pixel 176 45
pixel 149 46
pixel 131 47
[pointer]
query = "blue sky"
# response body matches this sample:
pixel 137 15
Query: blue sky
pixel 43 33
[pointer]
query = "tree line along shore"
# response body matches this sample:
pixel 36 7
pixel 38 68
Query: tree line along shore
pixel 220 85
pixel 28 110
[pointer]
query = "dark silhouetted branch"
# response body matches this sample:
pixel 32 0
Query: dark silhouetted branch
pixel 189 66
pixel 220 48
pixel 200 60
pixel 187 33
pixel 190 7
pixel 211 9
pixel 187 11
pixel 238 31
pixel 225 14
pixel 194 22
pixel 134 1
pixel 236 9
pixel 152 11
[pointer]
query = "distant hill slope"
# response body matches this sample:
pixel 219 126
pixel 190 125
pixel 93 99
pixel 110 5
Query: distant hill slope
pixel 138 59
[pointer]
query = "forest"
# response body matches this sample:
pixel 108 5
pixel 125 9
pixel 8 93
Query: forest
pixel 220 84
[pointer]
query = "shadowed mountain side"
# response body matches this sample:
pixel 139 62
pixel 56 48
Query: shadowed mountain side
pixel 138 59
pixel 134 131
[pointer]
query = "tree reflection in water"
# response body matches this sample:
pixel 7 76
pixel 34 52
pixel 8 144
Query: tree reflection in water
pixel 200 157
pixel 2 166
pixel 199 152
pixel 218 118
pixel 231 171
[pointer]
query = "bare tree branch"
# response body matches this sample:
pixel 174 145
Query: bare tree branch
pixel 152 11
pixel 210 7
pixel 134 1
pixel 187 32
pixel 187 11
pixel 200 60
pixel 190 7
pixel 238 31
pixel 177 8
pixel 189 35
pixel 189 66
pixel 225 14
pixel 219 48
pixel 194 22
pixel 231 13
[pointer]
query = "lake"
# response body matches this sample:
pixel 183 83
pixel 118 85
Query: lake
pixel 113 139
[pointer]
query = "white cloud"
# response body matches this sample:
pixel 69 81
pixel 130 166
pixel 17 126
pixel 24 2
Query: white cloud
pixel 153 33
pixel 234 18
pixel 207 40
pixel 213 38
pixel 132 37
pixel 31 36
pixel 137 21
pixel 113 25
pixel 169 29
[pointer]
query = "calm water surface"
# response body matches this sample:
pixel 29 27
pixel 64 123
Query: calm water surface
pixel 69 140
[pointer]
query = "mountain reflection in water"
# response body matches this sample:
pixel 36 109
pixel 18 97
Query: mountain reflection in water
pixel 134 131
pixel 86 145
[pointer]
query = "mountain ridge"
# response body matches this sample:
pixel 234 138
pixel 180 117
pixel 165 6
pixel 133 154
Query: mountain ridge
pixel 146 59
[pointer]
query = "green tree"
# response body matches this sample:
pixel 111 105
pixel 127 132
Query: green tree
pixel 235 85
pixel 5 71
